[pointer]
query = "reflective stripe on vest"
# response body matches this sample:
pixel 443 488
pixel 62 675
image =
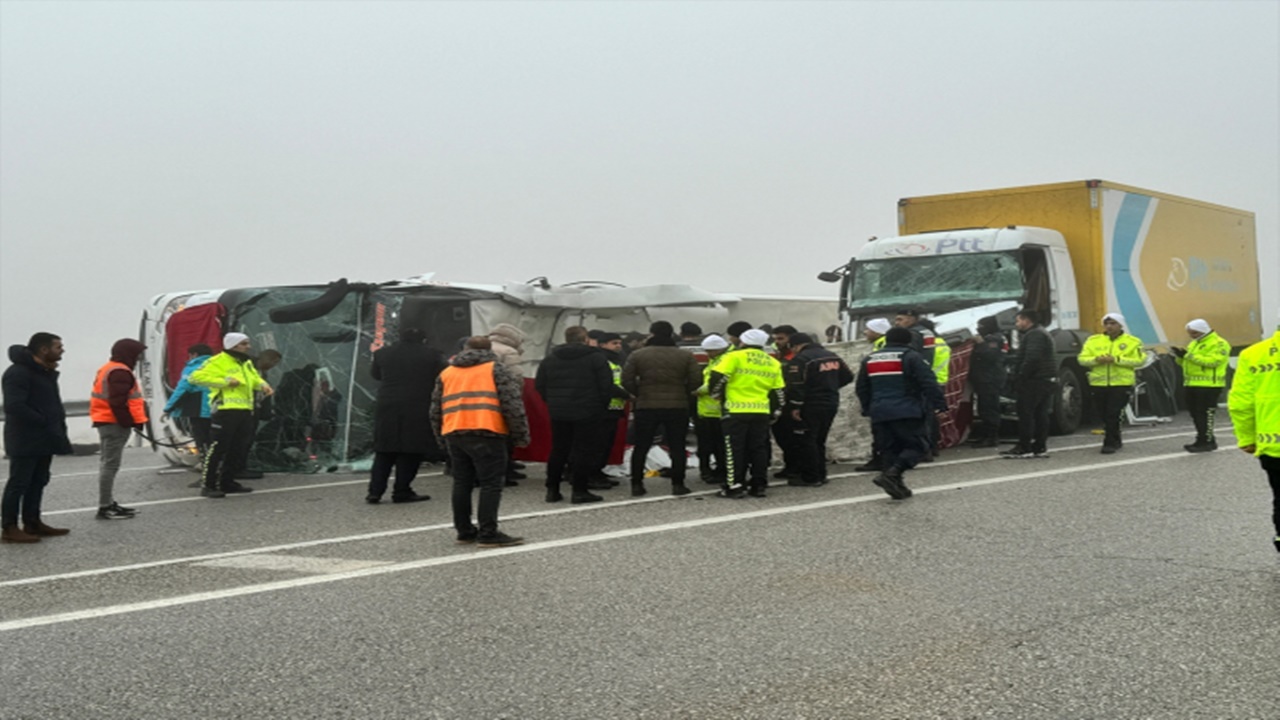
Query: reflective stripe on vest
pixel 99 407
pixel 752 375
pixel 469 400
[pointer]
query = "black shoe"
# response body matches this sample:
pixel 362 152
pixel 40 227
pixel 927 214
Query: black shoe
pixel 638 490
pixel 516 465
pixel 411 497
pixel 514 475
pixel 758 492
pixel 249 475
pixel 554 496
pixel 580 498
pixel 373 499
pixel 786 474
pixel 929 458
pixel 891 482
pixel 510 483
pixel 872 465
pixel 1017 452
pixel 467 537
pixel 497 540
pixel 802 483
pixel 1199 447
pixel 212 493
pixel 596 484
pixel 235 488
pixel 680 489
pixel 115 512
pixel 1109 449
pixel 732 493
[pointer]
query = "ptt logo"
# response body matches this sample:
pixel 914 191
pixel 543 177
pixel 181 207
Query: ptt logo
pixel 945 246
pixel 909 249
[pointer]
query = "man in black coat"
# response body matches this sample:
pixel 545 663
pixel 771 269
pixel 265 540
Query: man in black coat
pixel 576 383
pixel 402 436
pixel 896 389
pixel 35 429
pixel 1035 378
pixel 814 377
pixel 987 373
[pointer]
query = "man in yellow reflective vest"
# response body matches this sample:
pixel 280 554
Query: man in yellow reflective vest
pixel 706 425
pixel 1112 357
pixel 233 382
pixel 1254 404
pixel 116 407
pixel 749 382
pixel 477 406
pixel 1204 373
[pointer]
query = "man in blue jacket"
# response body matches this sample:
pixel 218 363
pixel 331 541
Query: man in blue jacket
pixel 191 401
pixel 35 429
pixel 897 390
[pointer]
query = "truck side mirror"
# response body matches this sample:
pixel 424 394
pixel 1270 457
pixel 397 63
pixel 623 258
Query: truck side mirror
pixel 829 276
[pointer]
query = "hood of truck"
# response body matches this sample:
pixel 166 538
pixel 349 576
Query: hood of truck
pixel 952 242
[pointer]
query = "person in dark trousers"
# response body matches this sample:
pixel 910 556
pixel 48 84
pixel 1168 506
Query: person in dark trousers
pixel 1254 404
pixel 874 334
pixel 35 429
pixel 987 374
pixel 233 382
pixel 706 424
pixel 814 376
pixel 784 429
pixel 1204 375
pixel 576 383
pixel 896 389
pixel 191 403
pixel 1113 357
pixel 748 382
pixel 477 405
pixel 611 345
pixel 1035 378
pixel 662 377
pixel 116 407
pixel 402 436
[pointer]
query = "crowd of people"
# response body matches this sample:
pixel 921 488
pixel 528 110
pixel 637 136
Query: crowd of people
pixel 759 388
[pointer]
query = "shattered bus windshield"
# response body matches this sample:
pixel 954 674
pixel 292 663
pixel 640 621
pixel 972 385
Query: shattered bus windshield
pixel 936 281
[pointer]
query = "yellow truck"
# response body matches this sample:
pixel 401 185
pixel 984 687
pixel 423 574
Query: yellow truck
pixel 1071 251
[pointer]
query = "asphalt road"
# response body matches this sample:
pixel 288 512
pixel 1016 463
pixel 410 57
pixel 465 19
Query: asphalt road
pixel 1140 585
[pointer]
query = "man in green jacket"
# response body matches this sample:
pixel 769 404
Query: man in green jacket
pixel 1254 403
pixel 1204 373
pixel 1112 356
pixel 233 380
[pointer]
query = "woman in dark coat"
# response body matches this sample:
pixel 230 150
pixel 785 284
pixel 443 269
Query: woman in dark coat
pixel 402 436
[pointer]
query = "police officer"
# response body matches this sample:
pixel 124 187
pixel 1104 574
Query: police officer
pixel 1204 373
pixel 706 423
pixel 896 388
pixel 1112 357
pixel 1254 404
pixel 749 383
pixel 814 376
pixel 874 334
pixel 987 373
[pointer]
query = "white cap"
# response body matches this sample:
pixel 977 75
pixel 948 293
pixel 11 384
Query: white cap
pixel 1114 316
pixel 878 325
pixel 755 337
pixel 233 339
pixel 1200 326
pixel 714 342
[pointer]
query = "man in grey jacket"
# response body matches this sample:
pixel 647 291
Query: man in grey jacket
pixel 663 377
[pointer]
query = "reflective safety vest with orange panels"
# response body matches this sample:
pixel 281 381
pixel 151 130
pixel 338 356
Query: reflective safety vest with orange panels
pixel 469 400
pixel 99 407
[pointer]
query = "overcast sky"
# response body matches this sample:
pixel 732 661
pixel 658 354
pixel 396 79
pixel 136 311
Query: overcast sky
pixel 741 147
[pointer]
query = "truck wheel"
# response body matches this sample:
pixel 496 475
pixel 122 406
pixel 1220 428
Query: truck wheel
pixel 1068 403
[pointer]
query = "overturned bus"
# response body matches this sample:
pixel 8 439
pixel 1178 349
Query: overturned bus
pixel 321 416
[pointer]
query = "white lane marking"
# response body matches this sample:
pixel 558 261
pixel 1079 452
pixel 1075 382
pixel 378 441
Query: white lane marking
pixel 123 471
pixel 292 563
pixel 441 526
pixel 111 610
pixel 363 481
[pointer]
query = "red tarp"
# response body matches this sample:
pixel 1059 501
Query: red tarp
pixel 191 326
pixel 955 425
pixel 540 430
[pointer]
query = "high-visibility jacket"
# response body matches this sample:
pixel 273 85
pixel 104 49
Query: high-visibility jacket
pixel 217 374
pixel 878 343
pixel 1254 400
pixel 942 362
pixel 1205 364
pixel 709 406
pixel 469 400
pixel 100 408
pixel 617 404
pixel 1128 354
pixel 752 375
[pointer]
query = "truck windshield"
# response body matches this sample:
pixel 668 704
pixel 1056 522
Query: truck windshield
pixel 936 281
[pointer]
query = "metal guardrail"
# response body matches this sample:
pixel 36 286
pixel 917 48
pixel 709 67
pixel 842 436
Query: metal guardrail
pixel 76 408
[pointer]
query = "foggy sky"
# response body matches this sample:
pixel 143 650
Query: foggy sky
pixel 740 147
